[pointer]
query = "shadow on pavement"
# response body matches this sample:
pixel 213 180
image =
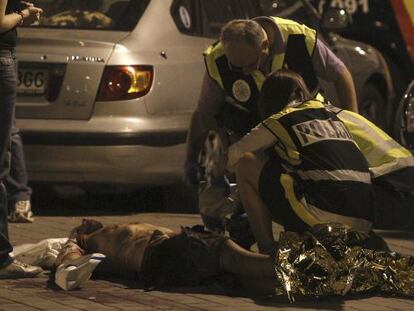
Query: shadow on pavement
pixel 330 303
pixel 325 303
pixel 208 289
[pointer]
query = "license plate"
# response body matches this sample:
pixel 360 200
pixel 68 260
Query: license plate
pixel 32 81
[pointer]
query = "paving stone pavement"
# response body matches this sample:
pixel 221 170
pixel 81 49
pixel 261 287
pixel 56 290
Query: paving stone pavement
pixel 96 295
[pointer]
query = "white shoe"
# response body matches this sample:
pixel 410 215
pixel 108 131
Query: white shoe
pixel 72 274
pixel 21 212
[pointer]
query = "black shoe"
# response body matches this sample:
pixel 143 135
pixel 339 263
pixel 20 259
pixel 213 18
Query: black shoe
pixel 213 224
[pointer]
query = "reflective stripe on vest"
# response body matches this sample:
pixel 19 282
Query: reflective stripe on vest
pixel 336 175
pixel 212 53
pixel 384 155
pixel 312 215
pixel 287 27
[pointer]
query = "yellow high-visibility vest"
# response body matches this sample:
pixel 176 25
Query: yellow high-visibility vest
pixel 286 26
pixel 388 161
pixel 302 130
pixel 384 155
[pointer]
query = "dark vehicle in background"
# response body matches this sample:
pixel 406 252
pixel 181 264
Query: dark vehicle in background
pixel 405 118
pixel 107 87
pixel 387 25
pixel 375 91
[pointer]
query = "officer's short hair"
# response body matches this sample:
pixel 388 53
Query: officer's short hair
pixel 243 29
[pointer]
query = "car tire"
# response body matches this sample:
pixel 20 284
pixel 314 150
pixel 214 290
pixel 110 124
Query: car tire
pixel 373 106
pixel 399 84
pixel 398 127
pixel 214 147
pixel 400 121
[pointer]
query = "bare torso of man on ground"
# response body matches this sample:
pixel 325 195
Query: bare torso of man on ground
pixel 161 257
pixel 123 244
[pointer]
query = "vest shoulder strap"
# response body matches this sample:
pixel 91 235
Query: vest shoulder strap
pixel 310 104
pixel 288 28
pixel 211 54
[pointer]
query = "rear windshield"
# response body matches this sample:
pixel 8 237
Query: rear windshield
pixel 90 14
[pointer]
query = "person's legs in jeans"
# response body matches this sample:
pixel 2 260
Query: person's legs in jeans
pixel 9 268
pixel 7 101
pixel 5 247
pixel 18 191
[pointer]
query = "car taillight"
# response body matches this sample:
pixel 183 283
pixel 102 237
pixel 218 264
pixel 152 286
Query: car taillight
pixel 125 82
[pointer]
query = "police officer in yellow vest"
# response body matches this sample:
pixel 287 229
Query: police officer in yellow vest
pixel 329 165
pixel 236 67
pixel 312 171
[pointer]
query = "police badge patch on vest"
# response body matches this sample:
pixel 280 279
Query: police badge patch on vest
pixel 241 91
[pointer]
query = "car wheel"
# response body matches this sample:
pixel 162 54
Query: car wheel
pixel 373 106
pixel 181 197
pixel 214 148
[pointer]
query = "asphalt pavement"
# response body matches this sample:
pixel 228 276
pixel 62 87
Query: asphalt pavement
pixel 55 218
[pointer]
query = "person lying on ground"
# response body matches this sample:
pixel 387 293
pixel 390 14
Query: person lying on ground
pixel 161 257
pixel 328 259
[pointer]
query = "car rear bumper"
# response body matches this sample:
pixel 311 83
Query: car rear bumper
pixel 155 139
pixel 108 150
pixel 122 164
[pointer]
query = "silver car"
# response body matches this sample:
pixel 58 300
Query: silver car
pixel 107 87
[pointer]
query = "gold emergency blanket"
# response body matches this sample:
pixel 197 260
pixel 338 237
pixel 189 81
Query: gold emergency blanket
pixel 331 259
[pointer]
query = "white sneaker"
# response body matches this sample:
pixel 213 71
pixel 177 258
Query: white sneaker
pixel 21 212
pixel 74 273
